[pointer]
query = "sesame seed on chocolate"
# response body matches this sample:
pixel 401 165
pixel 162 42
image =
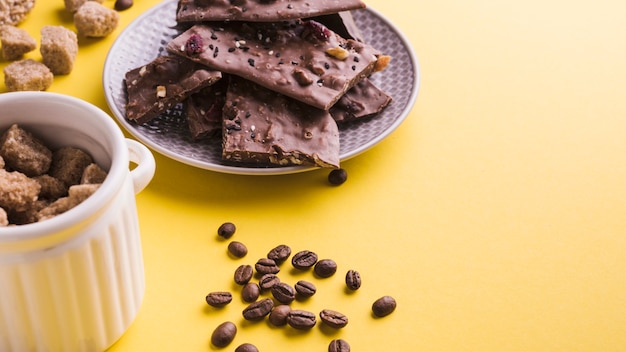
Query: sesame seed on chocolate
pixel 251 62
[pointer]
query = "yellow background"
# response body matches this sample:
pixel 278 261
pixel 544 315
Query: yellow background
pixel 495 214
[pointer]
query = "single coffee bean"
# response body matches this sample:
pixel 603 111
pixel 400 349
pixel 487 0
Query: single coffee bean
pixel 243 274
pixel 267 281
pixel 266 266
pixel 283 293
pixel 250 292
pixel 121 5
pixel 258 310
pixel 237 249
pixel 219 299
pixel 279 253
pixel 333 318
pixel 224 334
pixel 278 315
pixel 325 268
pixel 304 260
pixel 301 319
pixel 305 289
pixel 337 177
pixel 338 345
pixel 353 280
pixel 384 306
pixel 226 230
pixel 246 347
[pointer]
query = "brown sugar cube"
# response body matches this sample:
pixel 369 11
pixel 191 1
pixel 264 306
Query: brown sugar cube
pixel 15 42
pixel 4 218
pixel 51 188
pixel 59 47
pixel 17 191
pixel 95 20
pixel 1 162
pixel 68 165
pixel 93 174
pixel 27 75
pixel 28 216
pixel 24 152
pixel 77 194
pixel 73 5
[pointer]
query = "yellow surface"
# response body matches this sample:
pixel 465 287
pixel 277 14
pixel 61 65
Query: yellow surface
pixel 495 214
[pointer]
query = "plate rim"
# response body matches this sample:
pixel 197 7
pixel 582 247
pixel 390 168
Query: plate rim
pixel 238 170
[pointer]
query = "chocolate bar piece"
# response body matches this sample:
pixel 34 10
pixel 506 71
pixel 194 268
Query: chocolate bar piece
pixel 263 127
pixel 341 23
pixel 163 83
pixel 204 110
pixel 303 60
pixel 362 100
pixel 259 10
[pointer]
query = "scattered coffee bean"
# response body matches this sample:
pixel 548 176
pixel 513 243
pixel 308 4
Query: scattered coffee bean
pixel 333 318
pixel 226 230
pixel 279 253
pixel 283 293
pixel 266 266
pixel 301 319
pixel 338 345
pixel 237 249
pixel 258 310
pixel 305 289
pixel 304 260
pixel 246 347
pixel 224 334
pixel 384 306
pixel 219 299
pixel 353 280
pixel 121 5
pixel 337 176
pixel 278 315
pixel 325 268
pixel 250 292
pixel 267 281
pixel 243 274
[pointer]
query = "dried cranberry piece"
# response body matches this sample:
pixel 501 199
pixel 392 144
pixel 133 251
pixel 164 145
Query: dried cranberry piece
pixel 320 31
pixel 193 45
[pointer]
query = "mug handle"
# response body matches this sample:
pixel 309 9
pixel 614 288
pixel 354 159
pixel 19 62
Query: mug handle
pixel 143 173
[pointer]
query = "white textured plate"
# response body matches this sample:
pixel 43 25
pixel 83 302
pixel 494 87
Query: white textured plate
pixel 145 39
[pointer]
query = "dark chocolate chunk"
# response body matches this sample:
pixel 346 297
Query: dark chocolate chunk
pixel 204 110
pixel 364 99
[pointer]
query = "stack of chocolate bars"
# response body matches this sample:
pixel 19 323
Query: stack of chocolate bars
pixel 271 78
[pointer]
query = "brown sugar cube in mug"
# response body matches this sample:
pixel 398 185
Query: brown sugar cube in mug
pixel 73 5
pixel 68 165
pixel 95 20
pixel 15 42
pixel 4 218
pixel 17 191
pixel 59 47
pixel 51 188
pixel 27 75
pixel 23 152
pixel 93 174
pixel 77 194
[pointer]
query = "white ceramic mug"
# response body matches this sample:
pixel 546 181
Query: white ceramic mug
pixel 74 282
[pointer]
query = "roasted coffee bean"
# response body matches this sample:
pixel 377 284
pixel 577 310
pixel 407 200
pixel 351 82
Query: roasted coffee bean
pixel 353 280
pixel 246 347
pixel 333 318
pixel 301 319
pixel 279 253
pixel 304 260
pixel 283 293
pixel 266 266
pixel 267 281
pixel 224 334
pixel 121 5
pixel 243 274
pixel 384 306
pixel 325 268
pixel 250 292
pixel 337 176
pixel 226 230
pixel 338 345
pixel 259 309
pixel 278 315
pixel 219 299
pixel 305 289
pixel 237 249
